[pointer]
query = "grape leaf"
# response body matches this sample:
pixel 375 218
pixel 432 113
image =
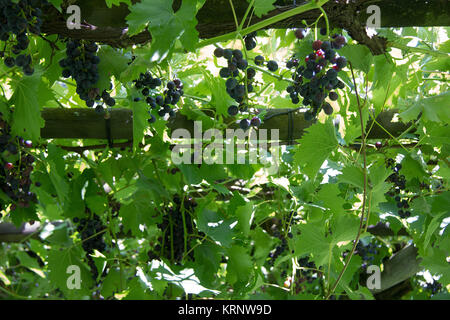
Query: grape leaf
pixel 436 262
pixel 166 26
pixel 214 225
pixel 156 12
pixel 344 228
pixel 263 245
pixel 219 97
pixel 433 108
pixel 239 266
pixel 186 20
pixel 316 145
pixel 244 216
pixel 58 263
pixel 312 240
pixel 56 172
pixel 263 6
pixel 359 55
pixel 27 120
pixel 207 257
pixel 329 195
pixel 113 281
pixel 111 3
pixel 383 71
pixel 352 175
pixel 140 124
pixel 112 63
pixel 56 4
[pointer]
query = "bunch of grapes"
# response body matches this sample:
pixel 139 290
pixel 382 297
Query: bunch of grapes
pixel 271 65
pixel 165 101
pixel 235 85
pixel 306 274
pixel 399 185
pixel 367 252
pixel 173 228
pixel 318 77
pixel 17 20
pixel 434 287
pixel 91 231
pixel 81 64
pixel 282 247
pixel 16 168
pixel 279 250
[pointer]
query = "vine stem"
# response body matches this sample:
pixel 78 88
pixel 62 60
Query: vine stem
pixel 274 75
pixel 361 221
pixel 326 20
pixel 265 23
pixel 434 53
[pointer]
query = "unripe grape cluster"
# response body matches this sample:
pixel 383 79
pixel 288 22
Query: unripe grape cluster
pixel 16 167
pixel 17 21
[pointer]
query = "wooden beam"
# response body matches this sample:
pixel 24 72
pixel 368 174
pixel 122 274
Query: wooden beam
pixel 401 266
pixel 215 18
pixel 84 123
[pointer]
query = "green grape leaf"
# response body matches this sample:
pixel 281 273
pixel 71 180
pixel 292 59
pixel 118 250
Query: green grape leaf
pixel 434 108
pixel 219 97
pixel 239 268
pixel 112 283
pixel 329 195
pixel 359 55
pixel 26 119
pixel 316 145
pixel 436 262
pixel 111 3
pixel 344 228
pixel 383 71
pixel 156 12
pixel 244 216
pixel 187 22
pixel 207 257
pixel 263 245
pixel 56 4
pixel 262 7
pixel 214 225
pixel 353 175
pixel 112 63
pixel 59 262
pixel 312 240
pixel 140 121
pixel 56 172
pixel 166 26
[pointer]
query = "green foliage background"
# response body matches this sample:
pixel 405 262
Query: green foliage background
pixel 320 179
